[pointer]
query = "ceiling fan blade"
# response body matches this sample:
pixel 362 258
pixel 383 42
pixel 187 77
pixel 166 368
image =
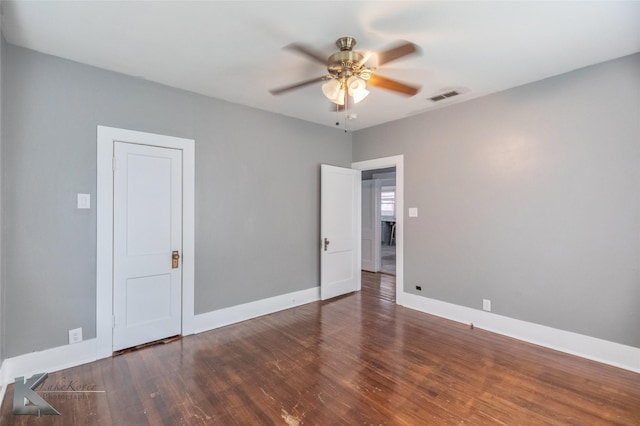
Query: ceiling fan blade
pixel 407 48
pixel 308 52
pixel 393 85
pixel 281 90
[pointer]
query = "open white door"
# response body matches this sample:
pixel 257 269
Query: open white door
pixel 340 231
pixel 147 238
pixel 370 245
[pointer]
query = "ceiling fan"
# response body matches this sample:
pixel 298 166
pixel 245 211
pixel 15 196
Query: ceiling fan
pixel 348 73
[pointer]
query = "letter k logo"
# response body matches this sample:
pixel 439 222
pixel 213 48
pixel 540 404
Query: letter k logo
pixel 23 393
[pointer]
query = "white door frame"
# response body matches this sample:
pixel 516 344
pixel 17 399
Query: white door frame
pixel 104 243
pixel 396 161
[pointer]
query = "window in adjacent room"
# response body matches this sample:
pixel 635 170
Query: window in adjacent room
pixel 388 201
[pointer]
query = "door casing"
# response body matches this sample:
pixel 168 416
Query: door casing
pixel 106 136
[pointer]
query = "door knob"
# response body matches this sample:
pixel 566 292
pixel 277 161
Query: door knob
pixel 175 256
pixel 326 243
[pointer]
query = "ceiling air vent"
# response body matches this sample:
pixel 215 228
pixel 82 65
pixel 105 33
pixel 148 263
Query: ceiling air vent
pixel 444 96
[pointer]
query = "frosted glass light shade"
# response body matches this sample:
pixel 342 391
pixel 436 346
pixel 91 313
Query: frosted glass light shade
pixel 355 84
pixel 331 89
pixel 357 88
pixel 359 95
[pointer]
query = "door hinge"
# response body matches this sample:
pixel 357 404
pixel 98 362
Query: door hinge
pixel 113 321
pixel 113 163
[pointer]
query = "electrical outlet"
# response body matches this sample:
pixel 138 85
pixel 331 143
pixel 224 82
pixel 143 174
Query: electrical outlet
pixel 75 336
pixel 419 288
pixel 486 304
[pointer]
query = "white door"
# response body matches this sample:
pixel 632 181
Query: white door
pixel 340 231
pixel 147 228
pixel 370 242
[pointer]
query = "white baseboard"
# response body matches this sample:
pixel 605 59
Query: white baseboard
pixel 618 355
pixel 226 316
pixel 47 361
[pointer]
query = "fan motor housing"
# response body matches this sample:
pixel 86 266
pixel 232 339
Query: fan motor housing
pixel 343 63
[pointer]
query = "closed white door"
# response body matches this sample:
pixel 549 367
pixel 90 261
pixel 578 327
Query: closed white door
pixel 147 227
pixel 340 231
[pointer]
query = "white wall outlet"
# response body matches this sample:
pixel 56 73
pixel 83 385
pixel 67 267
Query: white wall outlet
pixel 84 201
pixel 75 335
pixel 486 304
pixel 413 212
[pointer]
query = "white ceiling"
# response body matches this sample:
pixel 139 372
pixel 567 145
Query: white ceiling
pixel 233 50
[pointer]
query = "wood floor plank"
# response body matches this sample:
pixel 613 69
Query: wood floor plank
pixel 356 359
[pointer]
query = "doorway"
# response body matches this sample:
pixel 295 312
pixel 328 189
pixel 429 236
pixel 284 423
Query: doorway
pixel 378 211
pixel 106 320
pixel 376 166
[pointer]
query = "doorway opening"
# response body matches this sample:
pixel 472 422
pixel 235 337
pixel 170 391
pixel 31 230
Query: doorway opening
pixel 382 227
pixel 379 210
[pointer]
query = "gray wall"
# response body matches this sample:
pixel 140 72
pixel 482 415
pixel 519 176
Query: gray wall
pixel 529 198
pixel 257 186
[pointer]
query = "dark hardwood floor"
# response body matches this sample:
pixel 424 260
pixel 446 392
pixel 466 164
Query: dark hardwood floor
pixel 355 360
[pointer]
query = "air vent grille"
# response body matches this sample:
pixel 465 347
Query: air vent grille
pixel 444 96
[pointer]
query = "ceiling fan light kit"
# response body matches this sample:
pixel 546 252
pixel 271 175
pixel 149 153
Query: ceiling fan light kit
pixel 348 73
pixel 334 91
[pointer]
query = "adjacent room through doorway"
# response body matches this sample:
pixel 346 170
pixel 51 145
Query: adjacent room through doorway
pixel 379 220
